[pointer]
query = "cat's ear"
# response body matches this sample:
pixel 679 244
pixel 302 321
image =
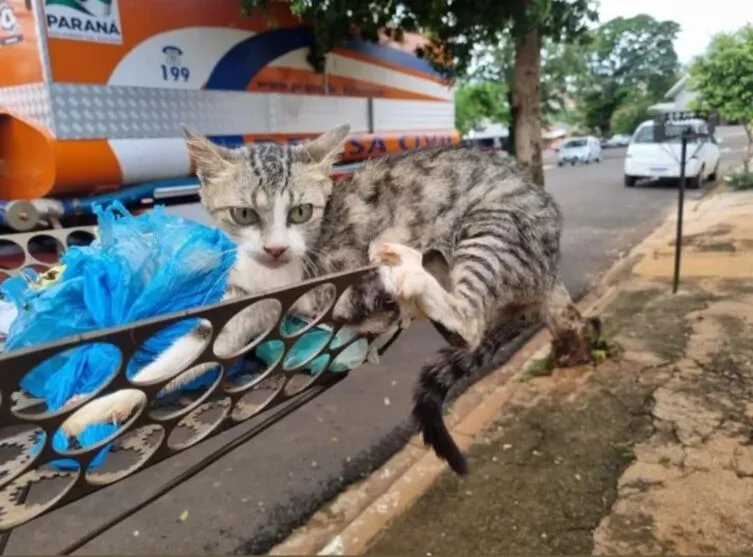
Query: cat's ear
pixel 207 157
pixel 327 147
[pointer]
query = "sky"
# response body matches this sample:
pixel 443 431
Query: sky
pixel 699 19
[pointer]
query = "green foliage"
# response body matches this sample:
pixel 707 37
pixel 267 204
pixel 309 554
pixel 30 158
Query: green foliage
pixel 723 79
pixel 479 101
pixel 740 181
pixel 455 27
pixel 541 367
pixel 625 451
pixel 637 51
pixel 599 103
pixel 628 59
pixel 561 63
pixel 630 114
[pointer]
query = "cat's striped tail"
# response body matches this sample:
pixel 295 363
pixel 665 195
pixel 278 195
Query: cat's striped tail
pixel 437 378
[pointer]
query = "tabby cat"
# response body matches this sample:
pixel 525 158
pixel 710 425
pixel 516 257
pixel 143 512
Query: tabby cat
pixel 458 237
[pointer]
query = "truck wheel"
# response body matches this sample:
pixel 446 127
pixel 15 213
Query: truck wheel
pixel 693 183
pixel 629 181
pixel 714 175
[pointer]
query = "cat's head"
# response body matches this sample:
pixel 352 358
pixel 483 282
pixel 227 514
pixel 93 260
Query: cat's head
pixel 269 198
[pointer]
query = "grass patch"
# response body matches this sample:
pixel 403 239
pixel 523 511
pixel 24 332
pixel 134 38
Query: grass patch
pixel 625 451
pixel 602 344
pixel 540 367
pixel 739 181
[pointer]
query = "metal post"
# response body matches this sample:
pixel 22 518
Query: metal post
pixel 680 207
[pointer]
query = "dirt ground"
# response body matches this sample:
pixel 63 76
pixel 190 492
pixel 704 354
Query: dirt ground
pixel 649 453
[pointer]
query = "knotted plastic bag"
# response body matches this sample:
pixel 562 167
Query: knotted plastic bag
pixel 139 267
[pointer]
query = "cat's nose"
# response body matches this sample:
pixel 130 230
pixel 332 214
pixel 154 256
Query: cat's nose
pixel 275 251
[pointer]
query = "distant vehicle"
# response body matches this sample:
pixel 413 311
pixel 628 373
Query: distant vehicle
pixel 579 149
pixel 499 145
pixel 617 140
pixel 645 158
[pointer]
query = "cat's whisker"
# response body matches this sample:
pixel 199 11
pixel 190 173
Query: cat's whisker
pixel 314 251
pixel 218 281
pixel 310 266
pixel 234 250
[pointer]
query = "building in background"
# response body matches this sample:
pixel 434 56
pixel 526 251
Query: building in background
pixel 680 97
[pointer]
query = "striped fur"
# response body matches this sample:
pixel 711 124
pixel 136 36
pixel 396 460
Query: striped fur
pixel 498 233
pixel 486 239
pixel 461 238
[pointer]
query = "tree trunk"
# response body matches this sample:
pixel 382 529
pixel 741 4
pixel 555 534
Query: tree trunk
pixel 513 121
pixel 526 105
pixel 749 148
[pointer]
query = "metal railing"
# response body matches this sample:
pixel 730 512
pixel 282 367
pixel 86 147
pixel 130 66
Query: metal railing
pixel 37 475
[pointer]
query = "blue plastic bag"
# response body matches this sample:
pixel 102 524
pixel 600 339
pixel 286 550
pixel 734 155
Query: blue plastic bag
pixel 139 267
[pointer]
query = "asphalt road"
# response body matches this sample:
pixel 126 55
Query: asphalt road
pixel 258 493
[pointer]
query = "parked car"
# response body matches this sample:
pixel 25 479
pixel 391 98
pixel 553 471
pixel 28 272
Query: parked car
pixel 617 140
pixel 647 158
pixel 579 149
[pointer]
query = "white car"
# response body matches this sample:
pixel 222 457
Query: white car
pixel 618 140
pixel 579 149
pixel 645 158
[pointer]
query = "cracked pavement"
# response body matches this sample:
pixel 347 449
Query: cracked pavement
pixel 690 487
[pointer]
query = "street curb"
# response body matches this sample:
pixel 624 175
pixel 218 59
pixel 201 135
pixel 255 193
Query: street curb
pixel 349 524
pixel 716 189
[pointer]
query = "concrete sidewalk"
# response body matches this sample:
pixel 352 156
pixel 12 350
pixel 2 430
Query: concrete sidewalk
pixel 651 452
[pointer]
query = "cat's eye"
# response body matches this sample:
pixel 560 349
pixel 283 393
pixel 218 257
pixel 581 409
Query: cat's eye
pixel 300 213
pixel 244 216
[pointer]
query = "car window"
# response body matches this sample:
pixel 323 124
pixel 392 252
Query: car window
pixel 575 143
pixel 644 135
pixel 673 133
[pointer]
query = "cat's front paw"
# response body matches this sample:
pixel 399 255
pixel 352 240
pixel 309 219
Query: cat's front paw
pixel 402 271
pixel 388 253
